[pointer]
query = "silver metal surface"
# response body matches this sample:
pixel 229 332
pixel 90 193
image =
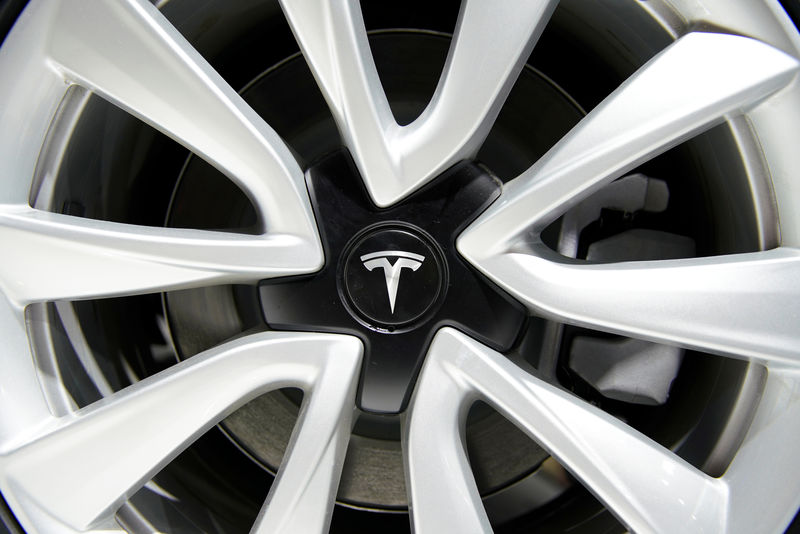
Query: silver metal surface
pixel 395 160
pixel 70 472
pixel 647 487
pixel 128 53
pixel 392 271
pixel 73 472
pixel 700 79
pixel 741 305
pixel 652 491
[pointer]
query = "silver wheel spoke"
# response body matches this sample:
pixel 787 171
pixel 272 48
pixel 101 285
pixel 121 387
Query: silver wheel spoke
pixel 396 160
pixel 20 379
pixel 73 472
pixel 743 305
pixel 304 492
pixel 104 258
pixel 127 52
pixel 646 486
pixel 707 303
pixel 440 499
pixel 689 87
pixel 762 460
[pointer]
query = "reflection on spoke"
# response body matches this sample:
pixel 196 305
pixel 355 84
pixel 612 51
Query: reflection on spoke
pixel 699 80
pixel 395 160
pixel 303 494
pixel 646 486
pixel 63 257
pixel 741 305
pixel 128 52
pixel 73 472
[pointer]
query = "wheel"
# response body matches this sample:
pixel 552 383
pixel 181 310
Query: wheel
pixel 303 265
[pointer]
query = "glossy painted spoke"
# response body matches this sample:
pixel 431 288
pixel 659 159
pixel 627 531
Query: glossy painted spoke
pixel 646 486
pixel 730 305
pixel 304 493
pixel 83 466
pixel 62 257
pixel 21 400
pixel 126 51
pixel 692 85
pixel 766 459
pixel 441 489
pixel 743 305
pixel 490 46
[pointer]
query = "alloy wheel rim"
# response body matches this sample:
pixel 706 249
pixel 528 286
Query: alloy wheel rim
pixel 35 441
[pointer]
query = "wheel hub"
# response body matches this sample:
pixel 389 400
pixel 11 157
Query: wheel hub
pixel 393 276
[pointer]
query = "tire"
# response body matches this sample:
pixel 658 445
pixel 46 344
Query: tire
pixel 585 228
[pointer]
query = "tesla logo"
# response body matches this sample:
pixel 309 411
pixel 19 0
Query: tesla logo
pixel 391 271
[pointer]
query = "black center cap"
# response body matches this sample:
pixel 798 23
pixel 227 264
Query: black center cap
pixel 392 276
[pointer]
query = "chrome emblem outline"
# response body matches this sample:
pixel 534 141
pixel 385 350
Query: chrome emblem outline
pixel 391 271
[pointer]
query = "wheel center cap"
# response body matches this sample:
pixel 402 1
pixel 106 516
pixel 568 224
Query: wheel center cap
pixel 393 275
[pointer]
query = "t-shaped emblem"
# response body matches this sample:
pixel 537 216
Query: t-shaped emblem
pixel 391 271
